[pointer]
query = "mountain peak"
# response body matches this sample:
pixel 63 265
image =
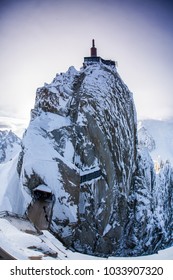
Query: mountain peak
pixel 10 144
pixel 85 122
pixel 82 172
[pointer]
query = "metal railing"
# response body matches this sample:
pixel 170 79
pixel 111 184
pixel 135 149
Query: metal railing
pixel 11 214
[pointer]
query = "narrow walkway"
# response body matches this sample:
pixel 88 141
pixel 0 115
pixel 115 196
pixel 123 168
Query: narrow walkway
pixel 90 176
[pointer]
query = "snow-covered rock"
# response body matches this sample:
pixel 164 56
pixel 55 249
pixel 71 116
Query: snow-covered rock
pixel 81 142
pixel 81 145
pixel 10 145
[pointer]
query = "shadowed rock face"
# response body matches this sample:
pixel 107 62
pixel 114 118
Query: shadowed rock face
pixel 82 143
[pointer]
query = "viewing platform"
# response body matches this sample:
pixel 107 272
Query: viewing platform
pixel 97 59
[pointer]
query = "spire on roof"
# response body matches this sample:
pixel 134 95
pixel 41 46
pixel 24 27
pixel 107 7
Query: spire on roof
pixel 93 49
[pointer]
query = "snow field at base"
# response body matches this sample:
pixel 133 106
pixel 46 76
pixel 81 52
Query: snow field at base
pixel 22 245
pixel 16 243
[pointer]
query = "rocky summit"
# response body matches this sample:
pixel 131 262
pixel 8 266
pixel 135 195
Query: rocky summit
pixel 80 153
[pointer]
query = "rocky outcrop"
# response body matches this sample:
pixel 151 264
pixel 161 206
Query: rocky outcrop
pixel 82 143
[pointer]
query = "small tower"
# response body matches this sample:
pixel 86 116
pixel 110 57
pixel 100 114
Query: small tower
pixel 93 49
pixel 96 59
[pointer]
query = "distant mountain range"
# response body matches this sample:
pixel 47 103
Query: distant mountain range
pixel 157 136
pixel 10 145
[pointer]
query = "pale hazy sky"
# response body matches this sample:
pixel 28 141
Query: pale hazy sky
pixel 40 38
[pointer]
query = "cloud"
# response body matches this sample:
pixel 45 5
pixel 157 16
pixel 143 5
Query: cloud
pixel 17 125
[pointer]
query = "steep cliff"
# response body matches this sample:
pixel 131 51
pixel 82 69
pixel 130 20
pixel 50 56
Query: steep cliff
pixel 82 144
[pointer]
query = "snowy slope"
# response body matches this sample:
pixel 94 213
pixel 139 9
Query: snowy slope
pixel 29 244
pixel 11 195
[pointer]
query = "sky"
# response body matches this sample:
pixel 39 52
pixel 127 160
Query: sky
pixel 40 38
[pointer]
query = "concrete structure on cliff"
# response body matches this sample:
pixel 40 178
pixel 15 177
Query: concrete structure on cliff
pixel 94 58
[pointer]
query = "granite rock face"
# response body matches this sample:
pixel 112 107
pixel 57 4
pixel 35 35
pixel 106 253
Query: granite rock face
pixel 82 143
